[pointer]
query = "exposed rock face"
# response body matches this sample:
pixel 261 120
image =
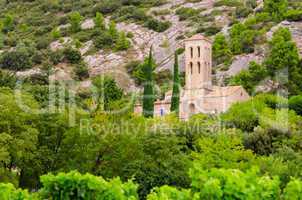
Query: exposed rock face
pixel 56 45
pixel 164 44
pixel 86 46
pixel 28 73
pixel 267 86
pixel 62 72
pixel 87 24
pixel 294 27
pixel 239 63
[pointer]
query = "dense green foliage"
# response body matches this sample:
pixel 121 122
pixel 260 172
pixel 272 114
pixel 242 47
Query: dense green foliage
pixel 107 91
pixel 221 50
pixel 176 87
pixel 148 96
pixel 74 186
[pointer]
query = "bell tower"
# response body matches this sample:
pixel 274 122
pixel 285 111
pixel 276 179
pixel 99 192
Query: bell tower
pixel 198 62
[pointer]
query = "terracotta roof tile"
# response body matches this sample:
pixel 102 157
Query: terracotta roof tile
pixel 223 91
pixel 198 37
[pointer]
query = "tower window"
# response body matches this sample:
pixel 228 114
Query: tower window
pixel 198 67
pixel 191 49
pixel 191 67
pixel 198 51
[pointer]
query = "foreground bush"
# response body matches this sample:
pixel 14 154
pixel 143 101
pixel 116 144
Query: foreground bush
pixel 213 184
pixel 9 192
pixel 74 186
pixel 217 184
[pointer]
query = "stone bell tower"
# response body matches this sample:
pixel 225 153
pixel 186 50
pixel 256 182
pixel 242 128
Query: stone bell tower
pixel 198 62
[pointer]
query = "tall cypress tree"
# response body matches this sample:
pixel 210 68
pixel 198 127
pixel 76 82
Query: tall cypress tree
pixel 148 97
pixel 176 91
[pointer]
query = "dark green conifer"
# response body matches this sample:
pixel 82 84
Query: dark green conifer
pixel 148 97
pixel 176 87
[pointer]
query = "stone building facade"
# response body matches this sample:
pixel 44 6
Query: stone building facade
pixel 199 95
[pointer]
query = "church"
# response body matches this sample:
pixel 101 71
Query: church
pixel 199 94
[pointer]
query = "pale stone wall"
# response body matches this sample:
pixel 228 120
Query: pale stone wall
pixel 160 108
pixel 198 62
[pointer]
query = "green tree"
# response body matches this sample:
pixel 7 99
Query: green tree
pixel 148 96
pixel 176 87
pixel 75 19
pixel 7 79
pixel 295 103
pixel 1 39
pixel 81 70
pixel 242 39
pixel 72 55
pixel 221 50
pixel 16 60
pixel 277 8
pixel 103 40
pixel 107 90
pixel 99 21
pixel 55 33
pixel 122 42
pixel 284 55
pixel 113 30
pixel 18 136
pixel 8 23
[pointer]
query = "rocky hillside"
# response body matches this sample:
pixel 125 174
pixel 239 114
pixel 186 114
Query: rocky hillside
pixel 46 27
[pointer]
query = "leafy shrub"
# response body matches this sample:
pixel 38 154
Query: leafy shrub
pixel 8 23
pixel 56 56
pixel 37 58
pixel 295 103
pixel 72 55
pixel 277 9
pixel 157 25
pixel 244 115
pixel 230 3
pixel 74 186
pixel 104 40
pixel 251 4
pixel 9 192
pixel 108 89
pixel 221 50
pixel 7 79
pixel 293 190
pixel 43 43
pixel 167 192
pixel 75 19
pixel 233 184
pixel 122 42
pixel 81 70
pixel 186 13
pixel 242 39
pixel 242 12
pixel 15 60
pixel 227 147
pixel 99 21
pixel 130 13
pixel 294 15
pixel 55 33
pixel 209 30
pixel 107 6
